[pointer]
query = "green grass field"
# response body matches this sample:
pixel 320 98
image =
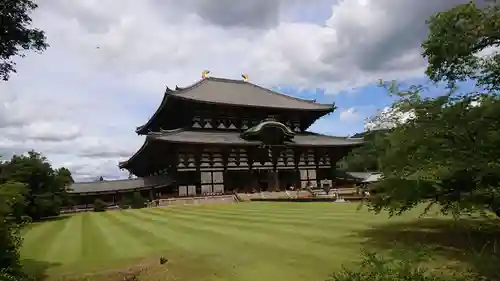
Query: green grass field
pixel 247 241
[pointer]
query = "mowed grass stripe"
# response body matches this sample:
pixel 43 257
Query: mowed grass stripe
pixel 221 248
pixel 285 214
pixel 39 239
pixel 298 222
pixel 273 237
pixel 305 220
pixel 241 248
pixel 94 244
pixel 293 241
pixel 307 207
pixel 316 235
pixel 124 244
pixel 148 238
pixel 346 209
pixel 326 213
pixel 292 228
pixel 314 232
pixel 65 250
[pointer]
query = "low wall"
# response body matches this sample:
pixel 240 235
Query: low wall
pixel 222 199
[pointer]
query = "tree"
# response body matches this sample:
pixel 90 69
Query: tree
pixel 46 187
pixel 11 197
pixel 366 158
pixel 65 180
pixel 16 35
pixel 456 39
pixel 446 154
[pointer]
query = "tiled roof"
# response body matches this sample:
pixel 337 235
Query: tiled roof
pixel 118 185
pixel 232 137
pixel 238 92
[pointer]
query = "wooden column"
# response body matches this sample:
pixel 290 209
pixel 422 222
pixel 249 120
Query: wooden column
pixel 197 158
pixel 276 181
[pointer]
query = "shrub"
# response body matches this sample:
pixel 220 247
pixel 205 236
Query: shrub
pixel 137 201
pixel 11 220
pixel 10 242
pixel 124 203
pixel 99 205
pixel 377 268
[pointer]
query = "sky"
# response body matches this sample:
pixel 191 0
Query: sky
pixel 109 62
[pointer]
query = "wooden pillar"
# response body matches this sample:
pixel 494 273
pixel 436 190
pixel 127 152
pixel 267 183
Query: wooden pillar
pixel 316 164
pixel 197 159
pixel 333 165
pixel 276 181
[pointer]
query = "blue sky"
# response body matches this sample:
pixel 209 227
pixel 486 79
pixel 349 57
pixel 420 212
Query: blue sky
pixel 109 62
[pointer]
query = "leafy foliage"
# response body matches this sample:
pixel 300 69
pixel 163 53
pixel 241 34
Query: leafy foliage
pixel 29 188
pixel 13 203
pixel 456 37
pixel 16 35
pixel 99 206
pixel 402 268
pixel 45 187
pixel 10 239
pixel 137 201
pixel 446 154
pixel 366 158
pixel 124 203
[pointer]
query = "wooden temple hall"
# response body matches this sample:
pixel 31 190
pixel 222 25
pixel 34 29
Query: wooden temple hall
pixel 222 136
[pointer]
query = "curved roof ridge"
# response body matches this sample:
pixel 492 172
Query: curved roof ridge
pixel 121 164
pixel 168 92
pixel 149 136
pixel 179 90
pixel 163 132
pixel 265 89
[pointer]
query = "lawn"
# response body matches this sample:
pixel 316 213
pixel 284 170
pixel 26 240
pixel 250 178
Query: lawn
pixel 247 241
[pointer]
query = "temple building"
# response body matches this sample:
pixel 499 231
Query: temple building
pixel 222 135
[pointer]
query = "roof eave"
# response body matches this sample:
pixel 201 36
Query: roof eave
pixel 124 164
pixel 143 129
pixel 326 108
pixel 256 143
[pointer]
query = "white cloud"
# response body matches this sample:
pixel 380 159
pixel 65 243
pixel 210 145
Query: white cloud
pixel 109 61
pixel 349 114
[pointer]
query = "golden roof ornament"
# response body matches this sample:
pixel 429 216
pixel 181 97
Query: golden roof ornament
pixel 245 77
pixel 205 73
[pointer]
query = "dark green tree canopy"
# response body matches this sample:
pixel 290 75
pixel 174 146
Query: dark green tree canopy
pixel 457 36
pixel 46 187
pixel 366 158
pixel 16 35
pixel 447 154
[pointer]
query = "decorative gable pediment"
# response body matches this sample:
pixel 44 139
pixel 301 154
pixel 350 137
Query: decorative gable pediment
pixel 269 131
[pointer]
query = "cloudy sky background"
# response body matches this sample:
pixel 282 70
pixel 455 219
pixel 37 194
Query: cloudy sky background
pixel 109 61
